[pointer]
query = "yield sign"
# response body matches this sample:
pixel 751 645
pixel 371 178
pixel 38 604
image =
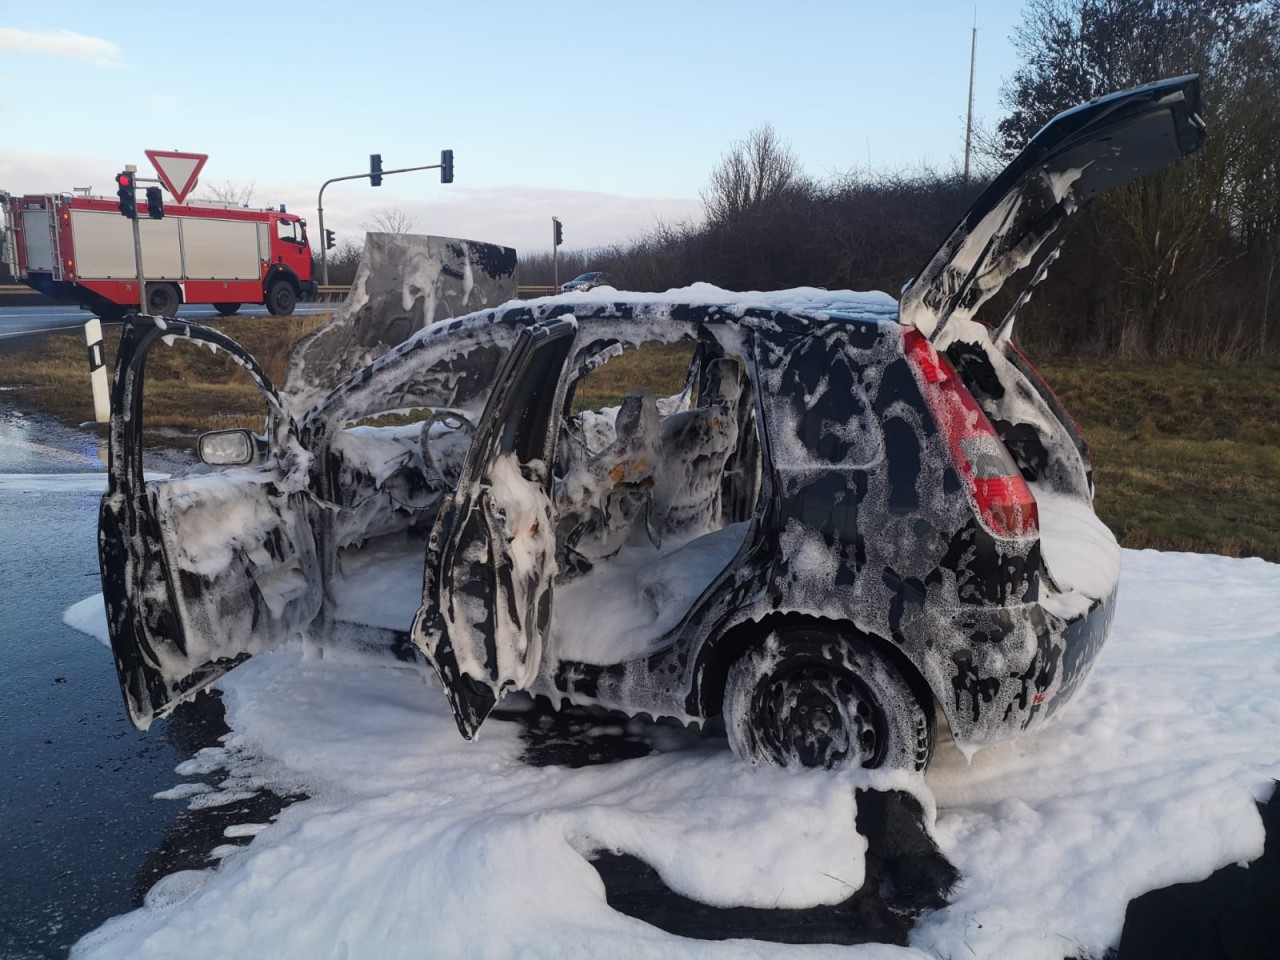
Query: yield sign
pixel 178 171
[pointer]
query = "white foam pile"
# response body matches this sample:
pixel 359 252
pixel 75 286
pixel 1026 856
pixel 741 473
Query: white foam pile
pixel 416 843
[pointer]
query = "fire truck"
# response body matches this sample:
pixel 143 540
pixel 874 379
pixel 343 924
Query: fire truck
pixel 80 249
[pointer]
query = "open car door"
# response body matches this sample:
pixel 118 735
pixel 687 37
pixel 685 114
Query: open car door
pixel 198 573
pixel 486 604
pixel 1079 154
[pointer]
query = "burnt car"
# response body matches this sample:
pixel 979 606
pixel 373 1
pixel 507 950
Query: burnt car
pixel 853 513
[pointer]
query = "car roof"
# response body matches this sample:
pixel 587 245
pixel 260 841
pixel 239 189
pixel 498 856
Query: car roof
pixel 699 303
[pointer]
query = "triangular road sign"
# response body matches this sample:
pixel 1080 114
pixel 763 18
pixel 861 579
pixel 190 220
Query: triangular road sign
pixel 178 171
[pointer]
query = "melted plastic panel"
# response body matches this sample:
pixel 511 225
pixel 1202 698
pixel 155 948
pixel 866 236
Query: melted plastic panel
pixel 404 283
pixel 451 365
pixel 382 479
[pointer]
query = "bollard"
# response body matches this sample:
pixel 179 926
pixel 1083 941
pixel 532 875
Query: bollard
pixel 97 370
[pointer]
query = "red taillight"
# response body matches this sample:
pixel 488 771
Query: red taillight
pixel 1003 500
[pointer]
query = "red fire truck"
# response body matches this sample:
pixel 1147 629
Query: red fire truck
pixel 80 249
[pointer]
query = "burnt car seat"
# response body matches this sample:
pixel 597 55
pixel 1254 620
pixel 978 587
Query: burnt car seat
pixel 696 445
pixel 601 497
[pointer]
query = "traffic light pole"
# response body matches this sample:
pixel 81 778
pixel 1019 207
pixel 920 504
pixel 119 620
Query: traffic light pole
pixel 137 245
pixel 142 280
pixel 324 258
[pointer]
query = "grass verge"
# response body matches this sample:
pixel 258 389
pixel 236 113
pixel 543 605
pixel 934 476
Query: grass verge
pixel 1186 453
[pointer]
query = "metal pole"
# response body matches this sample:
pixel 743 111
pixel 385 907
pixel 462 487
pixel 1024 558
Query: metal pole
pixel 324 240
pixel 137 242
pixel 968 126
pixel 324 258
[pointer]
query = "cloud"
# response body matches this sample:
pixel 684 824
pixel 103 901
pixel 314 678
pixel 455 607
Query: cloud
pixel 61 43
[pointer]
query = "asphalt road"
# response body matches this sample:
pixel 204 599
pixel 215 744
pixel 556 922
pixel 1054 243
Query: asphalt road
pixel 82 836
pixel 31 321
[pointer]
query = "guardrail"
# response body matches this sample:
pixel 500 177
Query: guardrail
pixel 336 293
pixel 333 293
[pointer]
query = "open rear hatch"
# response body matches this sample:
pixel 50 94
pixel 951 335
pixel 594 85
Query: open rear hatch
pixel 1077 155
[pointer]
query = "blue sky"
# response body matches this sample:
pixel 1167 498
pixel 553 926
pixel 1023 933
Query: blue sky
pixel 609 115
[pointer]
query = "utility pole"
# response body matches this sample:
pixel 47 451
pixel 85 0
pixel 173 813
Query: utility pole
pixel 968 126
pixel 557 238
pixel 374 176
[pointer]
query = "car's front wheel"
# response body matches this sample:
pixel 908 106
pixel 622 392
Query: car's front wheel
pixel 812 698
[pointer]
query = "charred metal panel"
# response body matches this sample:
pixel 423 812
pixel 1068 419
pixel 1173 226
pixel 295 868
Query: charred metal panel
pixel 404 283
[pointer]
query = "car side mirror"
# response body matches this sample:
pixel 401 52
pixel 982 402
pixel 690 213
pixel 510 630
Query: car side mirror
pixel 227 448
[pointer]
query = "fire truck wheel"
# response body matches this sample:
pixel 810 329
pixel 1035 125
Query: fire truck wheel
pixel 162 300
pixel 227 309
pixel 281 298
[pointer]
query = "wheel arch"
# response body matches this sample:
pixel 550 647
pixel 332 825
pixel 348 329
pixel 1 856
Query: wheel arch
pixel 279 271
pixel 732 643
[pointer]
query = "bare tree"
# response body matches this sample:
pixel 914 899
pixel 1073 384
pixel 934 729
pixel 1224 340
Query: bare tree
pixel 390 221
pixel 754 173
pixel 228 191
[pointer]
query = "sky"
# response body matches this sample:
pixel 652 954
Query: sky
pixel 610 116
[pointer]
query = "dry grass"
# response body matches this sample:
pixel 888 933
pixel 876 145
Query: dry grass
pixel 188 389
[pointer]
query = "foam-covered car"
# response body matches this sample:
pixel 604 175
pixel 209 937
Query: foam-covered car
pixel 855 512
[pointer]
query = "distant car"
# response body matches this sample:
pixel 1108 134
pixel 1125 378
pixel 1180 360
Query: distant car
pixel 854 512
pixel 586 281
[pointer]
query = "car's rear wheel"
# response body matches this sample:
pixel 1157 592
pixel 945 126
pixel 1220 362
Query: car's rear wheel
pixel 227 309
pixel 813 698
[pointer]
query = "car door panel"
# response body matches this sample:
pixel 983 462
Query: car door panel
pixel 199 573
pixel 491 558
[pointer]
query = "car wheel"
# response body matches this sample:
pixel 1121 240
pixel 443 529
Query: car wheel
pixel 281 298
pixel 227 309
pixel 809 698
pixel 162 300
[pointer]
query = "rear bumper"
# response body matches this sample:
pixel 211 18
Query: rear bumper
pixel 1030 674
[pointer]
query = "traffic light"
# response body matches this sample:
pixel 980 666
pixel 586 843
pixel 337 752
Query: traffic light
pixel 128 199
pixel 329 242
pixel 559 231
pixel 375 169
pixel 155 203
pixel 446 166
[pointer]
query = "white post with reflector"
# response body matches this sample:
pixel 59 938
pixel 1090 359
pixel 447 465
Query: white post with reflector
pixel 97 370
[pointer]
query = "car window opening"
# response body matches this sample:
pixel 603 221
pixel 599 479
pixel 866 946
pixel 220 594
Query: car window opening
pixel 653 499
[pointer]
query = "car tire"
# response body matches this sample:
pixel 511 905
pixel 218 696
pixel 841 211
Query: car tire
pixel 813 698
pixel 227 309
pixel 162 300
pixel 281 298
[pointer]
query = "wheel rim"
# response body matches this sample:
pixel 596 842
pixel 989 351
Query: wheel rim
pixel 818 717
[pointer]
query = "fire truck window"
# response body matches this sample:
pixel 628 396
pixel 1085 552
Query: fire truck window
pixel 288 230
